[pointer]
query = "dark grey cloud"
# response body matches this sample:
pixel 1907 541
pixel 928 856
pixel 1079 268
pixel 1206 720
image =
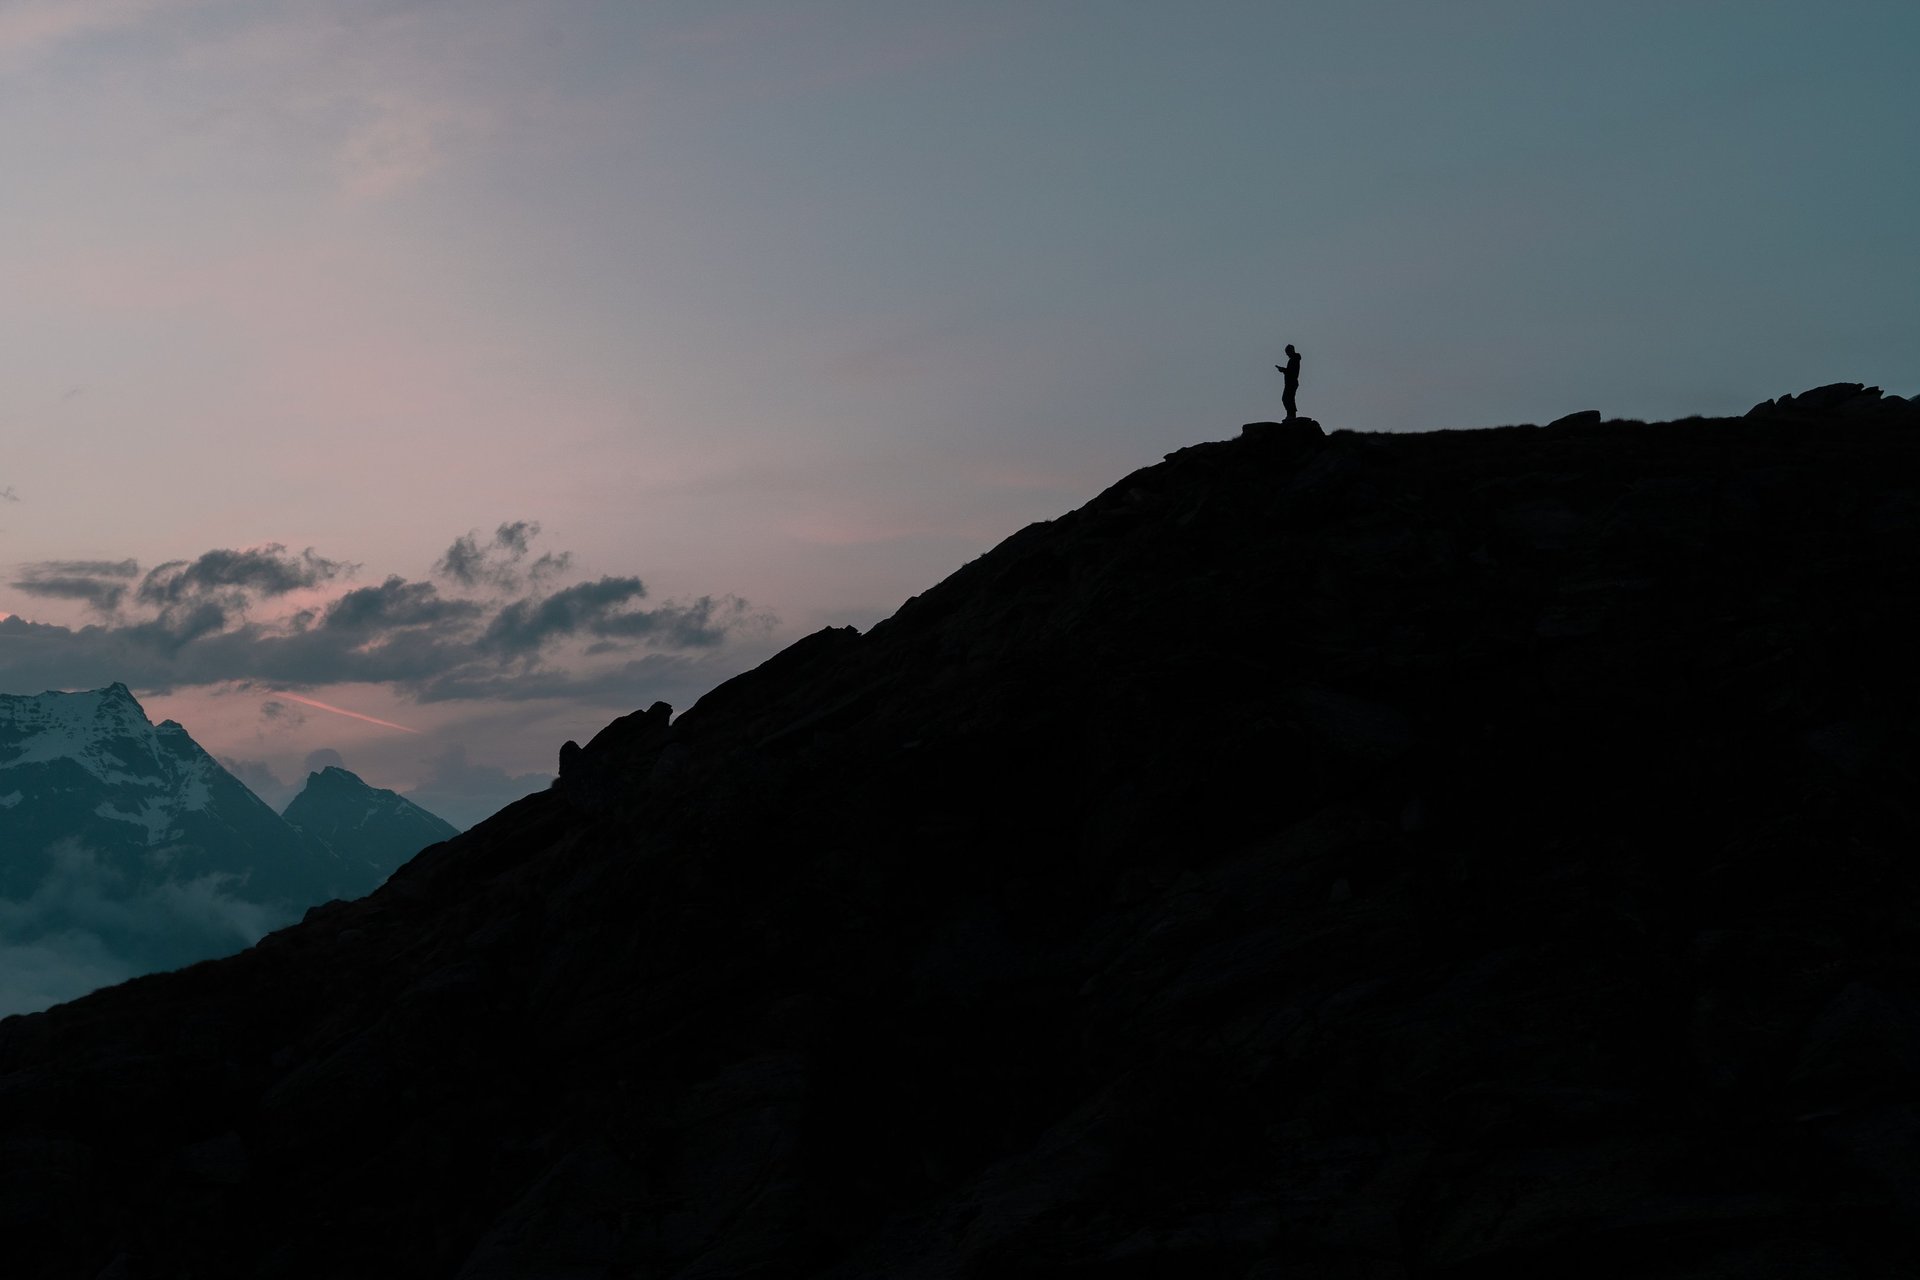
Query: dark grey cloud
pixel 102 584
pixel 260 571
pixel 465 562
pixel 600 609
pixel 496 562
pixel 100 594
pixel 396 603
pixel 8 495
pixel 526 626
pixel 193 623
pixel 699 625
pixel 122 569
pixel 550 566
pixel 517 536
pixel 181 625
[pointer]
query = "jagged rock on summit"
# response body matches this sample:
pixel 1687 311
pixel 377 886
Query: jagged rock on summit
pixel 592 775
pixel 1841 397
pixel 1294 431
pixel 1477 854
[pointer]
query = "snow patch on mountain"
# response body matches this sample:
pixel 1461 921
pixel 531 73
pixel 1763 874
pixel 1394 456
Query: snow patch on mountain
pixel 154 814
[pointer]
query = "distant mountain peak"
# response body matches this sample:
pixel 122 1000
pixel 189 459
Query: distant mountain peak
pixel 87 778
pixel 363 824
pixel 104 732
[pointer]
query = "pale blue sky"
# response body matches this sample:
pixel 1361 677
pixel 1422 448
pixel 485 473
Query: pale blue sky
pixel 809 303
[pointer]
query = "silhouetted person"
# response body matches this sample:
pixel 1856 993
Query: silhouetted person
pixel 1291 372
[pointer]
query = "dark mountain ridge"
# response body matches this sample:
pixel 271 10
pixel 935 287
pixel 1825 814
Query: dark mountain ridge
pixel 1472 854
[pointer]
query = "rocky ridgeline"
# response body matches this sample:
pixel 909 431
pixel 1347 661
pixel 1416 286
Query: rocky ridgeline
pixel 1469 854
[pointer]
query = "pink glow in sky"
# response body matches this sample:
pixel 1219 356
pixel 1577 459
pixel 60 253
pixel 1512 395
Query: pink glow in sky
pixel 786 311
pixel 342 711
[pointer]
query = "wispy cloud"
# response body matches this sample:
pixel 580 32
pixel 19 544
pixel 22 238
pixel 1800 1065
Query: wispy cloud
pixel 401 138
pixel 101 584
pixel 378 99
pixel 498 561
pixel 259 571
pixel 34 28
pixel 87 923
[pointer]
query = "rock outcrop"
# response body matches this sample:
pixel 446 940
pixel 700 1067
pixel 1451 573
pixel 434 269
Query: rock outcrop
pixel 1475 854
pixel 1835 397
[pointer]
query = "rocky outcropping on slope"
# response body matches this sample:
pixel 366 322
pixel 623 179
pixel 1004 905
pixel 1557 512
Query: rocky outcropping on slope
pixel 1470 854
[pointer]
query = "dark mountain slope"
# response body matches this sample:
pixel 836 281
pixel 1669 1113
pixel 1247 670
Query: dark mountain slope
pixel 1477 854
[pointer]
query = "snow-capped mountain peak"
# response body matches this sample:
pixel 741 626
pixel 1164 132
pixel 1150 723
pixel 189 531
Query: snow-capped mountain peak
pixel 102 731
pixel 128 836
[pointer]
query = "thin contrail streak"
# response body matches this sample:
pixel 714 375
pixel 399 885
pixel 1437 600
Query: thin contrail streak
pixel 342 711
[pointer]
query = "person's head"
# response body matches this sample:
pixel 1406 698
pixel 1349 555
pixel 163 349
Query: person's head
pixel 1289 348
